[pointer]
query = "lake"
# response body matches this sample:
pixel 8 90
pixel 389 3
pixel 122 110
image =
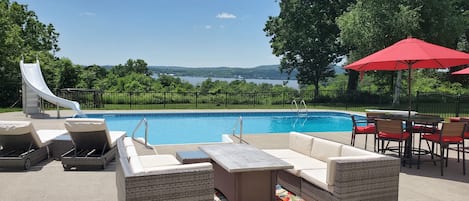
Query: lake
pixel 198 80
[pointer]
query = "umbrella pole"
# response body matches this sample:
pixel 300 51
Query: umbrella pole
pixel 409 85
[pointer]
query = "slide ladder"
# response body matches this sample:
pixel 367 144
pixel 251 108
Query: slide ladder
pixel 34 86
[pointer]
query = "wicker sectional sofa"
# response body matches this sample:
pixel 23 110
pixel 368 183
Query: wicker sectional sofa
pixel 160 177
pixel 326 170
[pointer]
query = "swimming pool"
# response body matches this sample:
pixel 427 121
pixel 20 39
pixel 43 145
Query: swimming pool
pixel 200 127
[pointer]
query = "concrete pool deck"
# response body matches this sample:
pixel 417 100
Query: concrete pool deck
pixel 48 181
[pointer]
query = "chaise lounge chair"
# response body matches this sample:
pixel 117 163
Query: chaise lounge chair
pixel 21 146
pixel 94 146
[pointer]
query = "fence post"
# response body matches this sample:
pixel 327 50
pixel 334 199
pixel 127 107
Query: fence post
pixel 164 99
pixel 196 97
pixel 254 99
pixel 283 99
pixel 226 99
pixel 458 107
pixel 130 100
pixel 417 101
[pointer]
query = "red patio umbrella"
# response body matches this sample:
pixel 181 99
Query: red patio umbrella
pixel 461 72
pixel 408 54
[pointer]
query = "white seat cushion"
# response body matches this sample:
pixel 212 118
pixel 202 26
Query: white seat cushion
pixel 46 136
pixel 114 135
pixel 300 164
pixel 316 177
pixel 284 153
pixel 300 143
pixel 135 165
pixel 179 168
pixel 128 141
pixel 323 149
pixel 130 151
pixel 149 161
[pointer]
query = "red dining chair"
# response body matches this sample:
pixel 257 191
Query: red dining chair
pixel 361 126
pixel 451 133
pixel 466 132
pixel 423 126
pixel 391 130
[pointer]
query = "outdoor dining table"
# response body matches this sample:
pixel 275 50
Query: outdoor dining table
pixel 417 119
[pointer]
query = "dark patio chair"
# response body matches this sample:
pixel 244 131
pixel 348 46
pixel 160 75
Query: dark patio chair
pixel 361 126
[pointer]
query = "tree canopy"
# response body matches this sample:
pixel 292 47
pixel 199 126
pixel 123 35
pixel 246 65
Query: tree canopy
pixel 304 35
pixel 21 34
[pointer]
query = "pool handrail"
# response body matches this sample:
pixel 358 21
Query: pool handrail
pixel 298 109
pixel 145 121
pixel 240 121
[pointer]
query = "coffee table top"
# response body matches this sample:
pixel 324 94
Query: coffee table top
pixel 243 158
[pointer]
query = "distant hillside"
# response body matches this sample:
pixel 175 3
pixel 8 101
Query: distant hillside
pixel 261 72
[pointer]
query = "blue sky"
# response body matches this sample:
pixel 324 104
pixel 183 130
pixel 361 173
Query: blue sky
pixel 192 33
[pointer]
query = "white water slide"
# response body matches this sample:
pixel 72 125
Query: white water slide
pixel 36 86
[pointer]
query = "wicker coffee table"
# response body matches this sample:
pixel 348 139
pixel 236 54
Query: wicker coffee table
pixel 243 172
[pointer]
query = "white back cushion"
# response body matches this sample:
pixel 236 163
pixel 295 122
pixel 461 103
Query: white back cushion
pixel 300 143
pixel 20 128
pixel 352 151
pixel 323 149
pixel 88 125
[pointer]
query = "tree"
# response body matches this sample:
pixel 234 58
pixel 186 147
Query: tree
pixel 66 74
pixel 135 66
pixel 21 34
pixel 90 76
pixel 305 36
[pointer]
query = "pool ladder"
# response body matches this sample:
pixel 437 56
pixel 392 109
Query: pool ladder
pixel 240 123
pixel 144 121
pixel 300 111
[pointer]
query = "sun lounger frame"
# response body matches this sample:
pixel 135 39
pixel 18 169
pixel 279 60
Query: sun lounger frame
pixel 90 151
pixel 20 153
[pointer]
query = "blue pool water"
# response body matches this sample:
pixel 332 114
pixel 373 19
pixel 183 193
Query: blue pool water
pixel 181 128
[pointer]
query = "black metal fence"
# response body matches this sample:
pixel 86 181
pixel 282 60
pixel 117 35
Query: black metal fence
pixel 433 103
pixel 93 99
pixel 445 105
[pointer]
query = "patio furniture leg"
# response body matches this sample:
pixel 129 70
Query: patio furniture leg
pixel 382 146
pixel 442 156
pixel 376 142
pixel 432 152
pixel 400 154
pixel 463 159
pixel 447 155
pixel 366 141
pixel 418 156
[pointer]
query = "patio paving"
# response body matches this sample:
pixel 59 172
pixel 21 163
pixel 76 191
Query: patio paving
pixel 48 181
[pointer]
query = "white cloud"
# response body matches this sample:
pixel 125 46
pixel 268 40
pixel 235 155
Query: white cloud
pixel 225 15
pixel 87 14
pixel 208 26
